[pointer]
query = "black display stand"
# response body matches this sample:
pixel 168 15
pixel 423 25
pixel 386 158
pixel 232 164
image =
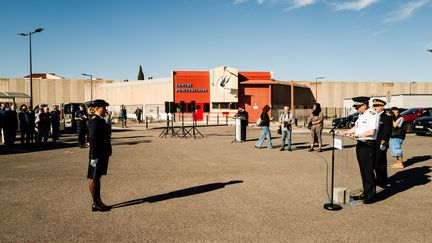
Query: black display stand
pixel 194 129
pixel 332 206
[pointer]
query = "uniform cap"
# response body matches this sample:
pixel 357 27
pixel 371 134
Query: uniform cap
pixel 98 103
pixel 361 100
pixel 378 102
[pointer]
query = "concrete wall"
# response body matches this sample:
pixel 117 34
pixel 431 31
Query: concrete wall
pixel 53 91
pixel 140 92
pixel 332 94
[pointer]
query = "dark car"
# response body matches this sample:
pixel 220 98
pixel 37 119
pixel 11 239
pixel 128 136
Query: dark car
pixel 345 122
pixel 422 125
pixel 412 114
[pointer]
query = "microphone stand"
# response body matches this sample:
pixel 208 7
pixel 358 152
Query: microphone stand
pixel 332 206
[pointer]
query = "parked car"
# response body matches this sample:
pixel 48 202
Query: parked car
pixel 345 122
pixel 422 125
pixel 412 114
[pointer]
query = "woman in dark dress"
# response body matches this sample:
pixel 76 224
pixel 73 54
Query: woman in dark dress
pixel 99 153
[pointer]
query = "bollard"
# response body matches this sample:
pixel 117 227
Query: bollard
pixel 226 120
pixel 207 119
pixel 295 122
pixel 146 122
pixel 218 119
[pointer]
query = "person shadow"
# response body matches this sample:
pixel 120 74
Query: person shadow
pixel 177 194
pixel 417 159
pixel 405 180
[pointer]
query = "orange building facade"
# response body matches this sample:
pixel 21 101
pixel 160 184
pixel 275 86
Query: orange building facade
pixel 222 90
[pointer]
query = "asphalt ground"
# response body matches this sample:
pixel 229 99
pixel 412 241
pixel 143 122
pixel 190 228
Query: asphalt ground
pixel 208 190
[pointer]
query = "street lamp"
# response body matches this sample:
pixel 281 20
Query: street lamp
pixel 316 87
pixel 29 34
pixel 91 84
pixel 410 86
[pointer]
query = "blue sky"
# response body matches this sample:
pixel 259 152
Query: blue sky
pixel 352 40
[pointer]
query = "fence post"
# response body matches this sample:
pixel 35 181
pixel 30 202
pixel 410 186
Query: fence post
pixel 226 119
pixel 146 118
pixel 218 119
pixel 207 119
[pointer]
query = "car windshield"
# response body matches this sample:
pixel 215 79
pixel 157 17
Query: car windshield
pixel 409 111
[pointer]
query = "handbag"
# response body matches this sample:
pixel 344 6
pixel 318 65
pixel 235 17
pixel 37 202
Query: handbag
pixel 310 125
pixel 279 131
pixel 258 122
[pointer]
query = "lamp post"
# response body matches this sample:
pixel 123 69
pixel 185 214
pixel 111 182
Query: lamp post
pixel 410 86
pixel 316 87
pixel 91 84
pixel 29 34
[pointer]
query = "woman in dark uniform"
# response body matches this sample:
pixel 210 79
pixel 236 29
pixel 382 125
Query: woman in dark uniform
pixel 100 151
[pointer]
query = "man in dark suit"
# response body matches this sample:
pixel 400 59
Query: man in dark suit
pixel 25 124
pixel 382 144
pixel 99 153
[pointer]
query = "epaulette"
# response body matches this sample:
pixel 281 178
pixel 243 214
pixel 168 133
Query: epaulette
pixel 372 112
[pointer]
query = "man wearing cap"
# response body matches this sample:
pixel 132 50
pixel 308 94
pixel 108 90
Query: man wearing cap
pixel 99 153
pixel 382 142
pixel 365 131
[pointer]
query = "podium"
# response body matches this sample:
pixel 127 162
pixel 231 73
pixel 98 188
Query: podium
pixel 238 129
pixel 344 173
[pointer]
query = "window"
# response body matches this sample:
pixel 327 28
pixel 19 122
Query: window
pixel 224 105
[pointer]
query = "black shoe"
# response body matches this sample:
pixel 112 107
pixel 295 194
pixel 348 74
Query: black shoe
pixel 369 200
pixel 310 149
pixel 282 149
pixel 100 208
pixel 358 198
pixel 290 149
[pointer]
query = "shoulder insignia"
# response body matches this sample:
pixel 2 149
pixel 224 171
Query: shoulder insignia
pixel 372 112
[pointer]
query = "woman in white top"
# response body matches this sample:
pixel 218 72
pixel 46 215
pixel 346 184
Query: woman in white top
pixel 286 120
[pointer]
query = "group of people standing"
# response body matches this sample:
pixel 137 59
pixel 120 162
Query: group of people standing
pixel 34 124
pixel 375 131
pixel 285 128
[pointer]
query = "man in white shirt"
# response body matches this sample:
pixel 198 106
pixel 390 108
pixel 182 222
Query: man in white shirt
pixel 365 131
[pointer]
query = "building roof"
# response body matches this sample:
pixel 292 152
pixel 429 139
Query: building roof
pixel 272 82
pixel 44 76
pixel 12 95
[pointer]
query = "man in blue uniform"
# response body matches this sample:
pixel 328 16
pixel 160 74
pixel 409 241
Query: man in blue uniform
pixel 81 118
pixel 382 142
pixel 365 132
pixel 99 153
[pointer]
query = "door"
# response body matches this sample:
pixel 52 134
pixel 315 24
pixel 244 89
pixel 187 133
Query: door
pixel 199 111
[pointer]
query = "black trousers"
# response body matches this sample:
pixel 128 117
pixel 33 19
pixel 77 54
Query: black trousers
pixel 25 135
pixel 380 166
pixel 243 126
pixel 366 158
pixel 82 133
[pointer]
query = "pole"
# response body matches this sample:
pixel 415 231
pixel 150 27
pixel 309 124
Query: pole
pixel 316 89
pixel 91 87
pixel 31 72
pixel 331 206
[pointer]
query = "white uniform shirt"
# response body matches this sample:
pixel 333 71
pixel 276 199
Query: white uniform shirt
pixel 369 120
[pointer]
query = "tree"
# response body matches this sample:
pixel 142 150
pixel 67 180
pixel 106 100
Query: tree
pixel 140 74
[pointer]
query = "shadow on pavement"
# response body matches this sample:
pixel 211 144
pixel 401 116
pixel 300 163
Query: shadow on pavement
pixel 130 142
pixel 177 194
pixel 17 149
pixel 417 159
pixel 144 136
pixel 405 180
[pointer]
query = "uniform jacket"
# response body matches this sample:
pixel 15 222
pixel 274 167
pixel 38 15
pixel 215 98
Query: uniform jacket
pixel 100 138
pixel 385 128
pixel 24 123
